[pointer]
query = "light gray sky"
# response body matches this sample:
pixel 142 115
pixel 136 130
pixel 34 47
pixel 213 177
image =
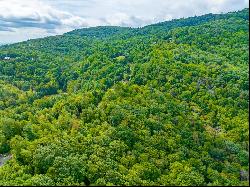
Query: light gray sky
pixel 25 19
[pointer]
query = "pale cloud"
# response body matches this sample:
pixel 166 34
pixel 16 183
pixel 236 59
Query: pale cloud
pixel 48 17
pixel 125 20
pixel 33 13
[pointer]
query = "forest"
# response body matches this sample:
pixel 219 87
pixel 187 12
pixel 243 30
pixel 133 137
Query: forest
pixel 165 104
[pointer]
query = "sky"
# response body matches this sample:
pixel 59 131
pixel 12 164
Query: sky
pixel 27 19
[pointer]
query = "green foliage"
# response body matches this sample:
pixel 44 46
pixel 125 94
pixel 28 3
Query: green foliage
pixel 166 104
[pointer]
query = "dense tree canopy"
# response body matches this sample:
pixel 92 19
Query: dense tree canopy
pixel 166 104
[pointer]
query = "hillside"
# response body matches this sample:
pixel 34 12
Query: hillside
pixel 166 104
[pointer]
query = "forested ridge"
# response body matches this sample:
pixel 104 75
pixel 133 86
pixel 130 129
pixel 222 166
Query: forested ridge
pixel 165 104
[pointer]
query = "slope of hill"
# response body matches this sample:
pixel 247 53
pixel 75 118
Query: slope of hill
pixel 166 104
